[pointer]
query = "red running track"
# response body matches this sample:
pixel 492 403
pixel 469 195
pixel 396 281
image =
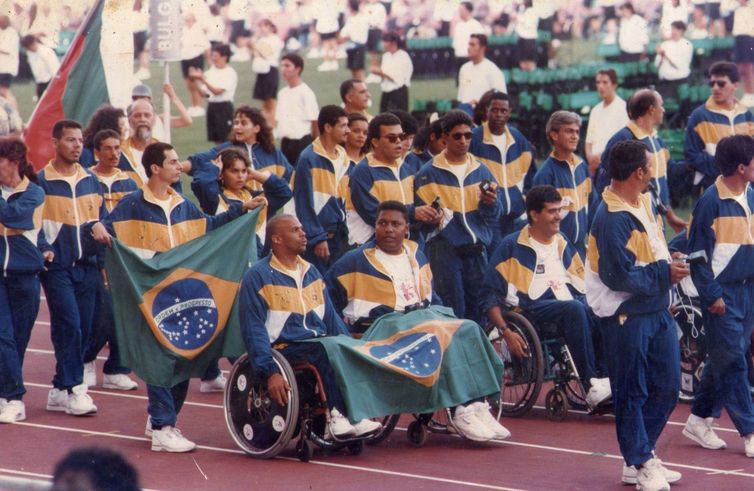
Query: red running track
pixel 579 453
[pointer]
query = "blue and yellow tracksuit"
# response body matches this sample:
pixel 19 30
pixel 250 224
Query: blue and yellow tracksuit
pixel 707 125
pixel 508 280
pixel 318 200
pixel 115 186
pixel 722 226
pixel 361 287
pixel 658 153
pixel 141 223
pixel 278 309
pixel 70 281
pixel 458 250
pixel 415 160
pixel 20 223
pixel 372 182
pixel 628 287
pixel 513 171
pixel 571 179
pixel 215 199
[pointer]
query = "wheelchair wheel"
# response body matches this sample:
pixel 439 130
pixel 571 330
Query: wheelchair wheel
pixel 388 425
pixel 304 450
pixel 417 434
pixel 522 377
pixel 556 404
pixel 258 425
pixel 688 318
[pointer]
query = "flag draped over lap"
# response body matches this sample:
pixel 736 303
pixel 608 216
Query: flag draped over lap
pixel 414 363
pixel 177 312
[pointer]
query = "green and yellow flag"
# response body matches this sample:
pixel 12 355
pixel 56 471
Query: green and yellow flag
pixel 177 312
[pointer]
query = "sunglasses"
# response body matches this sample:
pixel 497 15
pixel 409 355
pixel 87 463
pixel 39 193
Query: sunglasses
pixel 458 136
pixel 720 83
pixel 392 138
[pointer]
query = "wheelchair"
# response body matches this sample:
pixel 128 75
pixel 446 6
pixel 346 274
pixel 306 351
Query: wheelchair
pixel 262 428
pixel 548 360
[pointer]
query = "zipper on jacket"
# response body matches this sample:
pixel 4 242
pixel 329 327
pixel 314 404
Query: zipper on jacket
pixel 78 221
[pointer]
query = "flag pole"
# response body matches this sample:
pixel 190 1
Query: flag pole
pixel 166 104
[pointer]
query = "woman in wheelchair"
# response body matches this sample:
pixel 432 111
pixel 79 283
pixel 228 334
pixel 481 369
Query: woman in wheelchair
pixel 283 303
pixel 390 274
pixel 538 270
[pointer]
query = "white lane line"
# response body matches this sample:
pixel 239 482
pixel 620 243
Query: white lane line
pixel 51 352
pixel 44 323
pixel 24 473
pixel 127 396
pixel 317 462
pixel 724 472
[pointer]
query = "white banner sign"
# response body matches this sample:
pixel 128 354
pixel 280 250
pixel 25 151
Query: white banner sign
pixel 165 26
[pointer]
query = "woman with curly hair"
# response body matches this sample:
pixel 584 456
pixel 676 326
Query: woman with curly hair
pixel 21 205
pixel 105 118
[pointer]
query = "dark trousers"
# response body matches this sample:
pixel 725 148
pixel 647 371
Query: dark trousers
pixel 19 305
pixel 165 404
pixel 293 148
pixel 71 294
pixel 103 332
pixel 457 278
pixel 645 376
pixel 725 381
pixel 315 354
pixel 395 99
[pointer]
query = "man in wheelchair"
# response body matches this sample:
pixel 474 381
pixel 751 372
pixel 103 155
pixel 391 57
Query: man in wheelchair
pixel 282 303
pixel 390 274
pixel 538 270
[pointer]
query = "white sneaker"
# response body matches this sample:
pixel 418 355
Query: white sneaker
pixel 373 78
pixel 700 430
pixel 598 392
pixel 629 474
pixel 143 74
pixel 749 445
pixel 118 381
pixel 366 426
pixel 3 402
pixel 57 400
pixel 483 414
pixel 170 439
pixel 748 100
pixel 650 477
pixel 196 111
pixel 148 428
pixel 328 66
pixel 12 411
pixel 90 374
pixel 339 424
pixel 79 402
pixel 217 384
pixel 470 426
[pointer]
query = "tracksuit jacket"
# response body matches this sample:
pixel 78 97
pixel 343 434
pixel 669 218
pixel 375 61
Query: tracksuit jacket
pixel 655 146
pixel 316 192
pixel 512 268
pixel 513 173
pixel 20 224
pixel 117 189
pixel 275 309
pixel 69 215
pixel 723 229
pixel 707 125
pixel 140 222
pixel 572 181
pixel 467 221
pixel 415 160
pixel 623 275
pixel 361 287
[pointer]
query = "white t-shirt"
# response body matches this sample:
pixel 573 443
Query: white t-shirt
pixel 138 167
pixel 44 63
pixel 402 275
pixel 633 36
pixel 327 17
pixel 194 42
pixel 296 109
pixel 500 142
pixel 10 43
pixel 356 29
pixel 680 53
pixel 474 79
pixel 527 24
pixel 462 31
pixel 5 191
pixel 376 15
pixel 549 273
pixel 604 122
pixel 659 247
pixel 399 67
pixel 222 78
pixel 270 48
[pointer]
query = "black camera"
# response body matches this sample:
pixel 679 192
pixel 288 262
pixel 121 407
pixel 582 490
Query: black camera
pixel 696 257
pixel 485 185
pixel 436 204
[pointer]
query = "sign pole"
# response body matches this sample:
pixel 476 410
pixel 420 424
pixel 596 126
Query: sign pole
pixel 166 103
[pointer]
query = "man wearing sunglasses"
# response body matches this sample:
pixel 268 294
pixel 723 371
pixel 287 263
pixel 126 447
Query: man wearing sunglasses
pixel 383 176
pixel 466 192
pixel 722 115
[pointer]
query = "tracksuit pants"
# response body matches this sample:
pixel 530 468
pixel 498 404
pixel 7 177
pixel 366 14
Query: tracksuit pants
pixel 71 295
pixel 316 354
pixel 19 305
pixel 103 332
pixel 725 381
pixel 645 377
pixel 165 404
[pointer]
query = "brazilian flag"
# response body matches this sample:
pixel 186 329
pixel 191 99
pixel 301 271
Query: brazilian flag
pixel 177 312
pixel 417 362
